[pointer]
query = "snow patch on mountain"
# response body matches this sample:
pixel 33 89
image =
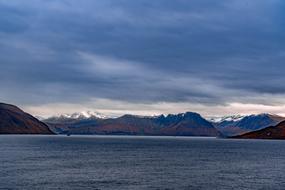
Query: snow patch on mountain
pixel 83 115
pixel 233 118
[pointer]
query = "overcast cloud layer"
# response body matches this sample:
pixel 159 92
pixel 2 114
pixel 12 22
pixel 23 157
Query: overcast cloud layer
pixel 212 56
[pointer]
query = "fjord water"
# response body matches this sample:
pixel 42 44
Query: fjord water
pixel 128 162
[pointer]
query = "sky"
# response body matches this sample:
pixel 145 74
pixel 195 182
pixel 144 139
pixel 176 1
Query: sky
pixel 215 57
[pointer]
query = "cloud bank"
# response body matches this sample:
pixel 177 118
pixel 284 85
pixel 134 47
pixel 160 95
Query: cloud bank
pixel 207 56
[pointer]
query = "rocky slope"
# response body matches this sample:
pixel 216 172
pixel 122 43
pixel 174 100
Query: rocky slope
pixel 273 132
pixel 14 121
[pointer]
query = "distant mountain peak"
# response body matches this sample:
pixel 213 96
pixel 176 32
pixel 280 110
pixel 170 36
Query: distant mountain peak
pixel 82 115
pixel 233 118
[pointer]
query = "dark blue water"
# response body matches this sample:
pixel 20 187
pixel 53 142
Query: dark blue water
pixel 109 162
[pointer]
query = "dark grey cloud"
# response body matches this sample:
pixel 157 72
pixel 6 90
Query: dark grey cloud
pixel 206 52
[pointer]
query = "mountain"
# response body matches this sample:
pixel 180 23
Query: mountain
pixel 229 118
pixel 237 125
pixel 189 123
pixel 14 121
pixel 61 123
pixel 272 132
pixel 184 124
pixel 76 116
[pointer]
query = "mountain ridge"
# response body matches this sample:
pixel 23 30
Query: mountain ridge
pixel 226 125
pixel 244 124
pixel 13 120
pixel 183 124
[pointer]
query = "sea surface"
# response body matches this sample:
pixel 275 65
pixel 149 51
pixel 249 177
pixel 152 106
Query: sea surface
pixel 132 162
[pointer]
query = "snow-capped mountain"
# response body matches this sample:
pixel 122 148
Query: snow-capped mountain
pixel 233 118
pixel 84 115
pixel 77 116
pixel 236 125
